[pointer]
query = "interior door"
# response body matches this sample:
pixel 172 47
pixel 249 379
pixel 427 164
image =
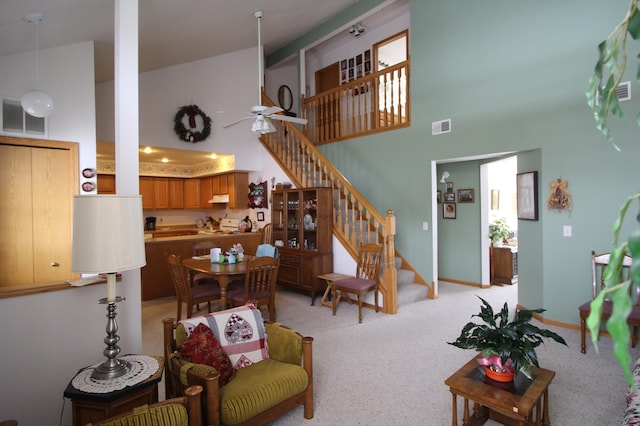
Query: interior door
pixel 328 111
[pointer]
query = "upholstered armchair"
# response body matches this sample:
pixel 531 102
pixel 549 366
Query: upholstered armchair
pixel 253 394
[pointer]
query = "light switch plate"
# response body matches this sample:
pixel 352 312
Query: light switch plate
pixel 566 230
pixel 425 226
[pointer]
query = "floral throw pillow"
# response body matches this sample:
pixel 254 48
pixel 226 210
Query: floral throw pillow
pixel 202 347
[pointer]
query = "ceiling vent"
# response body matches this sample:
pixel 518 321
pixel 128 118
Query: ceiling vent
pixel 440 127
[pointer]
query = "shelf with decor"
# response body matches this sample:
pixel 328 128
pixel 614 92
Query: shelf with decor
pixel 302 229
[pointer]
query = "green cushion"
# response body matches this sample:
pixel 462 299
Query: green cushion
pixel 259 387
pixel 162 415
pixel 284 344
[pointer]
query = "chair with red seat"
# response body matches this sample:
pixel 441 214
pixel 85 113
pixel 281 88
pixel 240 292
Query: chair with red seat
pixel 185 293
pixel 598 265
pixel 365 281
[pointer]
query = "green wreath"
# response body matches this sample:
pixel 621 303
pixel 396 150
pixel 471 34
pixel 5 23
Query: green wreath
pixel 191 134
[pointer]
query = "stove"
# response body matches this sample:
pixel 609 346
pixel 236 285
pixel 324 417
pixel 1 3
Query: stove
pixel 229 225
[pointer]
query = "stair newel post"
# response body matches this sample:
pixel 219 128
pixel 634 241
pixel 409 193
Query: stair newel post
pixel 390 274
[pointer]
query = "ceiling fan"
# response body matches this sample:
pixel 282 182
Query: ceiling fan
pixel 261 113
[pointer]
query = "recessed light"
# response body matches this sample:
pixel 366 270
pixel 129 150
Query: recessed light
pixel 213 156
pixel 165 160
pixel 147 150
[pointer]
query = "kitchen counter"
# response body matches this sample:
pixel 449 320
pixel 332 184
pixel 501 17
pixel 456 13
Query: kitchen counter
pixel 156 277
pixel 172 235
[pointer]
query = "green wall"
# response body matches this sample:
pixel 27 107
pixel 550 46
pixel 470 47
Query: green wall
pixel 511 76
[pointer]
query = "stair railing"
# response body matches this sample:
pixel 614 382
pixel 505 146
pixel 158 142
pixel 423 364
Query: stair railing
pixel 356 221
pixel 374 103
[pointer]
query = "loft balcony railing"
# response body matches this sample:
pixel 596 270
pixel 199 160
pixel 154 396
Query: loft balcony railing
pixel 374 103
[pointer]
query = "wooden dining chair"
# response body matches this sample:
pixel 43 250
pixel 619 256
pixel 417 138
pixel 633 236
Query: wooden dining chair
pixel 202 248
pixel 365 281
pixel 266 234
pixel 599 263
pixel 185 292
pixel 259 285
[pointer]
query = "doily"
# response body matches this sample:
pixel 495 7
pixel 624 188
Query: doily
pixel 142 367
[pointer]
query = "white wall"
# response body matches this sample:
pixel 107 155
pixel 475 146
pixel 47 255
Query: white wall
pixel 47 337
pixel 222 83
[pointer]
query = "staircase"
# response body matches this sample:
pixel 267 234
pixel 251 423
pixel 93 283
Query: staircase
pixel 355 220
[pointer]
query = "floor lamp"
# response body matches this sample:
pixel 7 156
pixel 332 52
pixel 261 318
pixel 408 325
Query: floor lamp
pixel 108 237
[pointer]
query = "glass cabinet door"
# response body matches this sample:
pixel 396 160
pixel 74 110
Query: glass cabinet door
pixel 293 220
pixel 309 220
pixel 278 217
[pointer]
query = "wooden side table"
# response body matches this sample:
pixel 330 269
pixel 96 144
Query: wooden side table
pixel 92 407
pixel 330 278
pixel 521 402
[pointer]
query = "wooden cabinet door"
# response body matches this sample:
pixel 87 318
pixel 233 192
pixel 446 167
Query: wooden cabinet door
pixel 37 184
pixel 192 198
pixel 206 191
pixel 220 184
pixel 161 193
pixel 106 184
pixel 176 193
pixel 147 190
pixel 238 186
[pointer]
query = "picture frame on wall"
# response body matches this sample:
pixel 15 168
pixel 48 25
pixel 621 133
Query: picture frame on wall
pixel 260 216
pixel 527 195
pixel 449 211
pixel 450 197
pixel 439 197
pixel 466 195
pixel 449 186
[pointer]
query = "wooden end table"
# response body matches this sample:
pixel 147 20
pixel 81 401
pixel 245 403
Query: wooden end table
pixel 90 407
pixel 507 403
pixel 330 278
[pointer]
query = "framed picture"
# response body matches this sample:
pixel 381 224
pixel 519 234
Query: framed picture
pixel 449 186
pixel 465 195
pixel 495 199
pixel 260 216
pixel 439 197
pixel 449 211
pixel 449 197
pixel 527 194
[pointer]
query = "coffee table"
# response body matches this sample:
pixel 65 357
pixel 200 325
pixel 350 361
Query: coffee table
pixel 507 403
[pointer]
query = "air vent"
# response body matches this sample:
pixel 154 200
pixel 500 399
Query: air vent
pixel 623 91
pixel 440 127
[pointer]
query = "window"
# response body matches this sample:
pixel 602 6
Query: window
pixel 16 121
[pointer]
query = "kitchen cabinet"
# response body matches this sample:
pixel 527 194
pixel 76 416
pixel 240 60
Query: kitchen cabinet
pixel 161 193
pixel 176 193
pixel 148 192
pixel 302 229
pixel 106 184
pixel 206 191
pixel 238 189
pixel 504 265
pixel 192 197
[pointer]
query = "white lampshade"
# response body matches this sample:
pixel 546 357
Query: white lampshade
pixel 108 233
pixel 37 103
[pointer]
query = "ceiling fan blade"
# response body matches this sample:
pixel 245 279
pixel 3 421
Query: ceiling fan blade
pixel 272 110
pixel 287 118
pixel 233 123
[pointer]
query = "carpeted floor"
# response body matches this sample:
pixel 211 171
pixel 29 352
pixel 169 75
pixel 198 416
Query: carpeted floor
pixel 390 370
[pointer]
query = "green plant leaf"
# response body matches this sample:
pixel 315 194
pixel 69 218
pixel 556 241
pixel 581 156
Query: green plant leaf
pixel 634 24
pixel 617 326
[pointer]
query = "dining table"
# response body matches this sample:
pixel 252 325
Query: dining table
pixel 223 273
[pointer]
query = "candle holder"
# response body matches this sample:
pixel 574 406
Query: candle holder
pixel 112 367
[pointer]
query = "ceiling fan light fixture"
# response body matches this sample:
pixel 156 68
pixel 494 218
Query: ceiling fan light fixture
pixel 262 126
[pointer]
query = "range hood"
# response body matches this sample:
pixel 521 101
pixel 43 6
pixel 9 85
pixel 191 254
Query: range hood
pixel 219 199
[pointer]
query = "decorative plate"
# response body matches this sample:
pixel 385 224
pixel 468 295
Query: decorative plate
pixel 88 173
pixel 88 186
pixel 308 220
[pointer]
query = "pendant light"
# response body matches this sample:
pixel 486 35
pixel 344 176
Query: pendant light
pixel 36 102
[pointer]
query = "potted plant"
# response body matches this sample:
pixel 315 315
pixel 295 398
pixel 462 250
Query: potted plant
pixel 505 346
pixel 499 231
